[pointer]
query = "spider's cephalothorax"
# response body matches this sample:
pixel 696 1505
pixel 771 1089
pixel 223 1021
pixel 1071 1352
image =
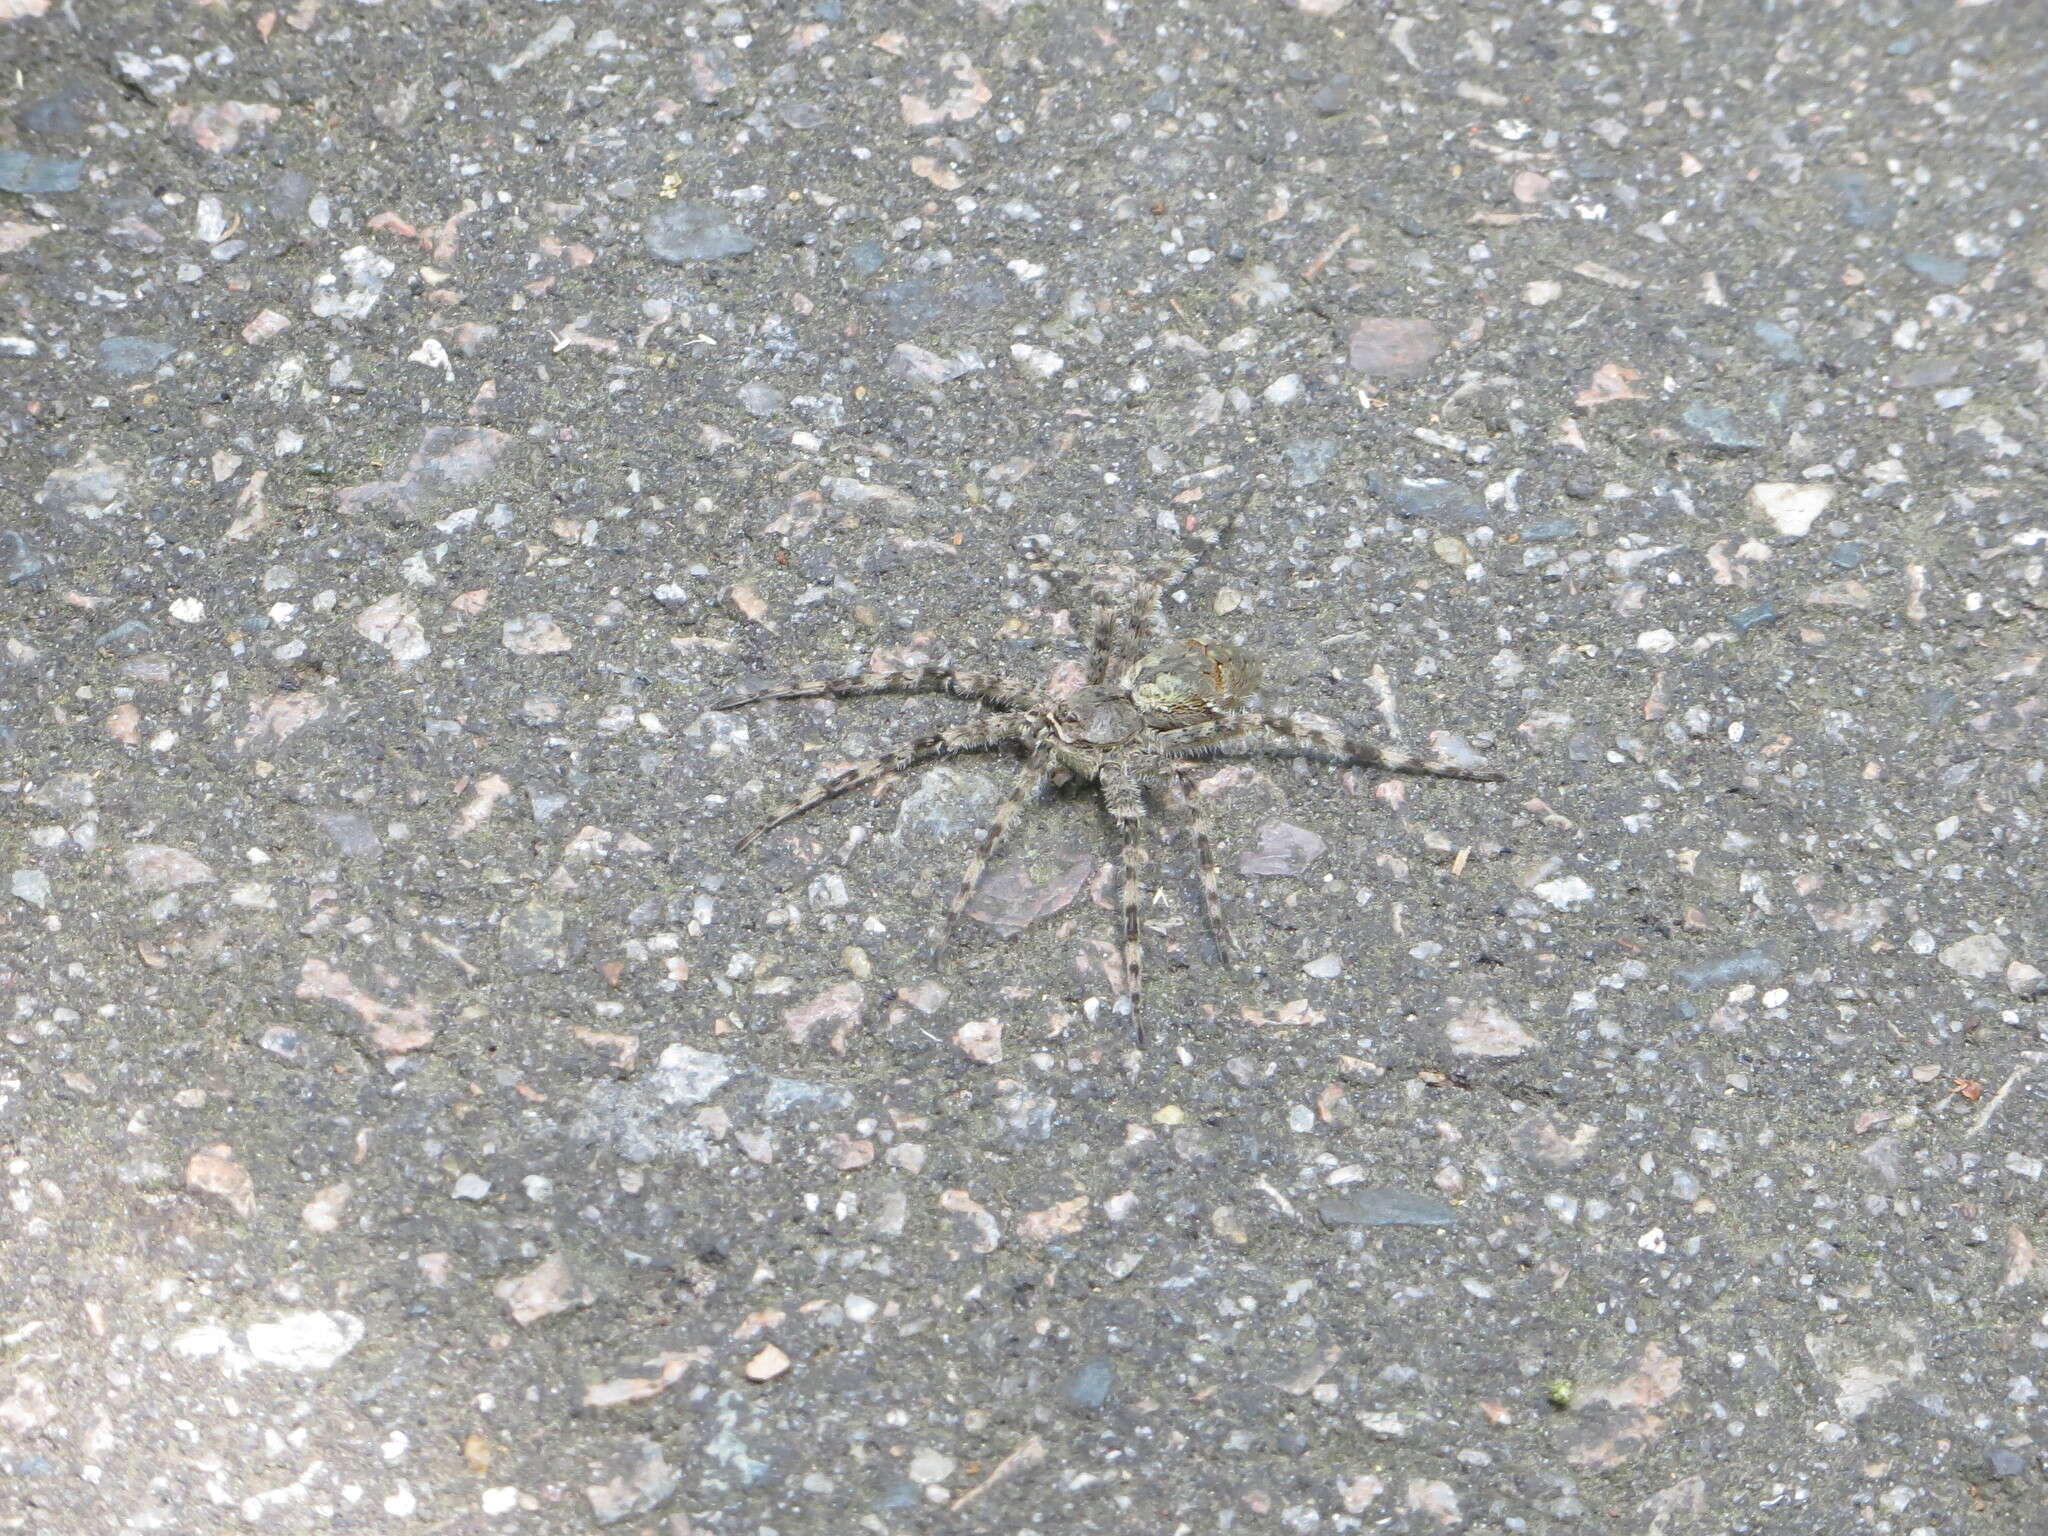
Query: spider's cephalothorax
pixel 1093 718
pixel 1150 710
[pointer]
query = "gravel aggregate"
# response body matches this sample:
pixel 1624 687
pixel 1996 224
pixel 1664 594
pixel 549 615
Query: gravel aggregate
pixel 415 417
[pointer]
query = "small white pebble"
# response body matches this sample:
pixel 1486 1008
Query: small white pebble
pixel 471 1187
pixel 767 1365
pixel 1037 362
pixel 1325 967
pixel 1566 892
pixel 1790 508
pixel 499 1501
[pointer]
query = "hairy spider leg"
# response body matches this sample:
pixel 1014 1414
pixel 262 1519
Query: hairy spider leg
pixel 1126 803
pixel 975 736
pixel 1148 612
pixel 985 687
pixel 1029 781
pixel 1207 739
pixel 1180 789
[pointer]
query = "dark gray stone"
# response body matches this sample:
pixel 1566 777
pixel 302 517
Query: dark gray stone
pixel 1332 97
pixel 1384 1208
pixel 1947 271
pixel 55 115
pixel 1757 965
pixel 1716 426
pixel 36 175
pixel 19 560
pixel 1087 1388
pixel 693 232
pixel 1437 501
pixel 1309 459
pixel 917 306
pixel 127 357
pixel 898 1497
pixel 1863 210
pixel 131 637
pixel 1778 341
pixel 287 196
pixel 351 833
pixel 531 938
pixel 1393 347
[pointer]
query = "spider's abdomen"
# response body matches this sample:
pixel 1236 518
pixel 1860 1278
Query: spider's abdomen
pixel 1188 682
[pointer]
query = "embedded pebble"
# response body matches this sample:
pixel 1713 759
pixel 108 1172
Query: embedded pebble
pixel 1282 849
pixel 1384 1208
pixel 769 1363
pixel 1791 509
pixel 1979 956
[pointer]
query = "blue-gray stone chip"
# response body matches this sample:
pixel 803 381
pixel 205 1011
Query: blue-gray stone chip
pixel 1384 1208
pixel 694 232
pixel 33 175
pixel 1944 270
pixel 1087 1388
pixel 125 357
pixel 1758 965
pixel 1716 426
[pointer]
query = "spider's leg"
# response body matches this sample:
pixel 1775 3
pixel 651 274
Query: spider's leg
pixel 1148 612
pixel 975 736
pixel 1126 804
pixel 1028 783
pixel 987 687
pixel 1104 642
pixel 1358 749
pixel 1180 787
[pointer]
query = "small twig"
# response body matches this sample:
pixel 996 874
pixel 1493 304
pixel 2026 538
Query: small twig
pixel 1022 1459
pixel 1984 1115
pixel 1314 269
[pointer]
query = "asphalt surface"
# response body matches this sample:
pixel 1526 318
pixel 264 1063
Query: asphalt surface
pixel 417 1118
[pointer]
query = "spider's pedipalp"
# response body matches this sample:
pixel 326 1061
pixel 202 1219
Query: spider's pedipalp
pixel 976 736
pixel 1180 788
pixel 1029 780
pixel 985 687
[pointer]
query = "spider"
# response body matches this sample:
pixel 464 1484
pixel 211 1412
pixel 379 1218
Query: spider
pixel 1151 708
